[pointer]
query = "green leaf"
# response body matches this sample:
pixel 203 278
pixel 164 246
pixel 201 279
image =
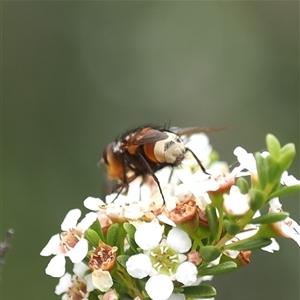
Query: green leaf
pixel 249 245
pixel 270 218
pixel 210 253
pixel 96 226
pixel 262 170
pixel 222 268
pixel 133 245
pixel 116 235
pixel 242 185
pixel 200 291
pixel 285 191
pixel 231 228
pixel 288 148
pixel 287 155
pixel 122 259
pixel 130 229
pixel 273 145
pixel 212 219
pixel 93 296
pixel 274 169
pixel 92 236
pixel 257 199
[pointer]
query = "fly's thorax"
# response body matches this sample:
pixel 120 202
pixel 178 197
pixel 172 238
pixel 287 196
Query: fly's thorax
pixel 170 150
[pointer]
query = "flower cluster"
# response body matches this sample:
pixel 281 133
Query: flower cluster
pixel 137 246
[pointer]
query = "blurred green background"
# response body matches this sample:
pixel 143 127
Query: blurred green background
pixel 76 74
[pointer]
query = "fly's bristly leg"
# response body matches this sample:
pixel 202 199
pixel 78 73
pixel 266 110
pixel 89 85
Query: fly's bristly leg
pixel 198 161
pixel 150 171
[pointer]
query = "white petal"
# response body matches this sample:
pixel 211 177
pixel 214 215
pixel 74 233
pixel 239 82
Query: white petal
pixel 63 284
pixel 52 245
pixel 159 287
pixel 56 266
pixel 102 280
pixel 139 266
pixel 163 218
pixel 236 203
pixel 79 269
pixel 275 205
pixel 93 203
pixel 274 246
pixel 289 179
pixel 246 159
pixel 79 252
pixel 231 253
pixel 70 219
pixel 148 235
pixel 187 273
pixel 178 240
pixel 89 282
pixel 87 221
pixel 133 211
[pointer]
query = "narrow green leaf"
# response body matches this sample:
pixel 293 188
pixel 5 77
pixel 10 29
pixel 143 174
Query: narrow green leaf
pixel 92 236
pixel 274 169
pixel 200 291
pixel 96 226
pixel 133 245
pixel 212 219
pixel 286 159
pixel 116 235
pixel 93 296
pixel 285 191
pixel 273 145
pixel 262 170
pixel 122 259
pixel 243 185
pixel 249 245
pixel 288 148
pixel 222 268
pixel 130 229
pixel 270 218
pixel 257 199
pixel 210 253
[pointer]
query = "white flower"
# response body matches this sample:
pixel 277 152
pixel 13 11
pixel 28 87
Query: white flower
pixel 236 203
pixel 288 227
pixel 70 242
pixel 78 285
pixel 249 231
pixel 161 257
pixel 246 160
pixel 121 208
